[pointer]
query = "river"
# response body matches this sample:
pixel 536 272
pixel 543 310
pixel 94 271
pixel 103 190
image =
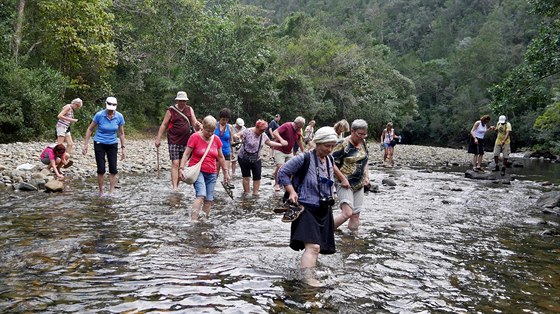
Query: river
pixel 435 242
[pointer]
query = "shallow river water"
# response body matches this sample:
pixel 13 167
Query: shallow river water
pixel 435 243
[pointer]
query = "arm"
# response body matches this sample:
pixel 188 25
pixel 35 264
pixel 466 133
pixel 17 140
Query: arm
pixel 300 144
pixel 162 127
pixel 231 142
pixel 90 128
pixel 279 138
pixel 123 142
pixel 383 135
pixel 222 162
pixel 341 177
pixel 273 144
pixel 185 158
pixel 62 116
pixel 473 129
pixel 53 165
pixel 194 122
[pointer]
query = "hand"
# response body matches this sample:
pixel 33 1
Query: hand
pixel 198 125
pixel 60 176
pixel 344 183
pixel 84 150
pixel 182 173
pixel 284 142
pixel 476 141
pixel 158 142
pixel 123 155
pixel 293 197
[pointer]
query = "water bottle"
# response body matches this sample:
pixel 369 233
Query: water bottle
pixel 400 139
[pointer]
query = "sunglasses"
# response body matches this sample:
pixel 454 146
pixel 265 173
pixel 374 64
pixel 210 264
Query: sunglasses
pixel 111 104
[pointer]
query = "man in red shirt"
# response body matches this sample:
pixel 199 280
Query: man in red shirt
pixel 288 134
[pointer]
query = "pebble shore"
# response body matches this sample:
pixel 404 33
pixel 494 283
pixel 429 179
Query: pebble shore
pixel 142 156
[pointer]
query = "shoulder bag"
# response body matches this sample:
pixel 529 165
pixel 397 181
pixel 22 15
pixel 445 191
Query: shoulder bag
pixel 190 174
pixel 252 157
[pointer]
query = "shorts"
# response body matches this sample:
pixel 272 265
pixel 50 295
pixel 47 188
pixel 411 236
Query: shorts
pixel 176 151
pixel 205 185
pixel 281 158
pixel 354 199
pixel 249 167
pixel 386 145
pixel 504 149
pixel 227 157
pixel 62 130
pixel 111 150
pixel 45 160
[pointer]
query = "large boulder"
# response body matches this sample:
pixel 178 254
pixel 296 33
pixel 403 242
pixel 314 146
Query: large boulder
pixel 54 186
pixel 549 200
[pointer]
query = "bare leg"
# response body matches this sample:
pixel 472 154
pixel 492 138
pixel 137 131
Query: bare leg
pixel 474 161
pixel 354 223
pixel 276 186
pixel 497 162
pixel 479 161
pixel 246 184
pixel 196 207
pixel 309 262
pixel 100 183
pixel 256 187
pixel 175 174
pixel 233 163
pixel 345 214
pixel 112 183
pixel 206 208
pixel 70 145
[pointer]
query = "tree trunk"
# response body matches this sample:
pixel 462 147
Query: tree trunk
pixel 18 29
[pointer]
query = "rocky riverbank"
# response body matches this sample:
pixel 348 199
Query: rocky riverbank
pixel 19 162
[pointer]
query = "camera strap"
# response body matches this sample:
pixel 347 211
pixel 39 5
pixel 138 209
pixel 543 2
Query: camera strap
pixel 317 171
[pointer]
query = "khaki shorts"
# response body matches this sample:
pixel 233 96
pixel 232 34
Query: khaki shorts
pixel 281 158
pixel 62 130
pixel 504 149
pixel 354 199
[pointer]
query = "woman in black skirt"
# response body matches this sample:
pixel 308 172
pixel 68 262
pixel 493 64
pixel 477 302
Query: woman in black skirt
pixel 313 230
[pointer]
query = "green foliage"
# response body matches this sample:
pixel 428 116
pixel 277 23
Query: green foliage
pixel 29 101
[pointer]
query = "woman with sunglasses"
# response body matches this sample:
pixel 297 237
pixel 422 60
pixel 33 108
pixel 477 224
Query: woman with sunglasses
pixel 110 125
pixel 351 157
pixel 313 230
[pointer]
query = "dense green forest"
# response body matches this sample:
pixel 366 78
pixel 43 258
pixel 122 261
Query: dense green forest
pixel 430 66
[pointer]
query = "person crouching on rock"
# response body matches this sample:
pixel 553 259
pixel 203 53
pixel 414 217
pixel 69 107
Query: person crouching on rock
pixel 55 156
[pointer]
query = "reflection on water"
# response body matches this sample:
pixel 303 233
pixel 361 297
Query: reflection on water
pixel 434 243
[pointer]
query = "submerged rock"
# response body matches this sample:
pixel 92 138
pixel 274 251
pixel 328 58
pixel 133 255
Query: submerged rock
pixel 549 200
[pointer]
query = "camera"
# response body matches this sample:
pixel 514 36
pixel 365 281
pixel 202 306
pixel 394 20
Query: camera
pixel 326 202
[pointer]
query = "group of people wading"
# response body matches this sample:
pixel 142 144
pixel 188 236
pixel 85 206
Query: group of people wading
pixel 313 167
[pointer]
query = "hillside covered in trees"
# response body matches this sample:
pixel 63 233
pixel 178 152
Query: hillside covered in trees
pixel 432 67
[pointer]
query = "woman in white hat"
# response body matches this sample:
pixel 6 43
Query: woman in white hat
pixel 65 118
pixel 238 127
pixel 179 121
pixel 110 125
pixel 313 229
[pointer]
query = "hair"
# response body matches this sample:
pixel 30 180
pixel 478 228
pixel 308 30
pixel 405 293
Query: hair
pixel 224 113
pixel 485 118
pixel 300 120
pixel 59 149
pixel 359 124
pixel 277 115
pixel 209 122
pixel 389 124
pixel 77 101
pixel 312 121
pixel 342 126
pixel 260 123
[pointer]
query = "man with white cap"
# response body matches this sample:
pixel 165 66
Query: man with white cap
pixel 178 121
pixel 502 144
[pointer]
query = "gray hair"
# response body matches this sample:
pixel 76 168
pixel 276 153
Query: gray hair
pixel 359 124
pixel 299 120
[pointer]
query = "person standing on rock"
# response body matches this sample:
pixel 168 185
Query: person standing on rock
pixel 110 125
pixel 351 157
pixel 65 118
pixel 476 144
pixel 179 121
pixel 502 144
pixel 55 156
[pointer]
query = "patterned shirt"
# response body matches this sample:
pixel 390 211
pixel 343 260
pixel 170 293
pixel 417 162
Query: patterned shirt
pixel 352 162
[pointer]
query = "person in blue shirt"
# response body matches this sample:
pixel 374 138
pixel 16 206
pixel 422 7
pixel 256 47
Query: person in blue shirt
pixel 225 132
pixel 110 125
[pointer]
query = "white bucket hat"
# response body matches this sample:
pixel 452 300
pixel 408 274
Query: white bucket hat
pixel 325 134
pixel 502 119
pixel 111 103
pixel 240 122
pixel 181 96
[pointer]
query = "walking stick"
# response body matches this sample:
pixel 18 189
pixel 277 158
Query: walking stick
pixel 157 164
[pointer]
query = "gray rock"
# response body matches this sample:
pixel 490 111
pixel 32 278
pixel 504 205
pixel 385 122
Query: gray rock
pixel 487 175
pixel 24 186
pixel 389 182
pixel 54 186
pixel 38 182
pixel 549 200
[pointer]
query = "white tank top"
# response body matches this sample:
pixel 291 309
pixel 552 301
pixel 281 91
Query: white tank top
pixel 480 130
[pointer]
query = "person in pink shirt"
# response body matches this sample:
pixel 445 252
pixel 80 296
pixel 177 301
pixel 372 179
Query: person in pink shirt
pixel 206 182
pixel 55 156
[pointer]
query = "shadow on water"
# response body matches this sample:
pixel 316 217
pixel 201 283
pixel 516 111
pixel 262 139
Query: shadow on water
pixel 435 242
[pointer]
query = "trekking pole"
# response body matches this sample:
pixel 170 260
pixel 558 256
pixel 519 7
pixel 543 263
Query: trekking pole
pixel 157 163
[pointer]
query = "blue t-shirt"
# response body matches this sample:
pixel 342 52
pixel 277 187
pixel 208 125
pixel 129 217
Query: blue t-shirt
pixel 225 137
pixel 107 129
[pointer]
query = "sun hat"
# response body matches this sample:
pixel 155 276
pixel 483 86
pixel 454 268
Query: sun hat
pixel 240 122
pixel 325 134
pixel 111 103
pixel 502 119
pixel 181 96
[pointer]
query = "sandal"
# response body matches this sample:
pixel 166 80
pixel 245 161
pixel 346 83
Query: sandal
pixel 475 169
pixel 480 169
pixel 228 190
pixel 292 213
pixel 276 188
pixel 68 164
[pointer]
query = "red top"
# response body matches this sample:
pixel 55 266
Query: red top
pixel 288 133
pixel 179 129
pixel 199 145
